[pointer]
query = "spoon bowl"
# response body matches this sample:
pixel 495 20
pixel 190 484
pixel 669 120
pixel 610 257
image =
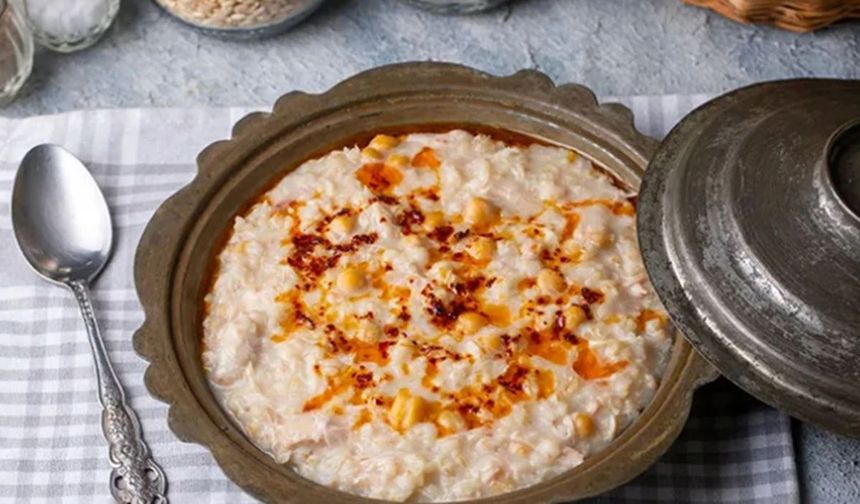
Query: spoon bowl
pixel 61 220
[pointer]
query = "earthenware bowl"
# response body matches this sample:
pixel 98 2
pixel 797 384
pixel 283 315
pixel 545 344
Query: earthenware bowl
pixel 172 263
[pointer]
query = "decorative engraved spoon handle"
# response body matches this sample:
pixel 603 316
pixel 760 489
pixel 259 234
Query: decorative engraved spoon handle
pixel 135 477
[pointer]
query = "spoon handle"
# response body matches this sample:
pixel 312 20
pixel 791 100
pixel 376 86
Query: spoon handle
pixel 135 477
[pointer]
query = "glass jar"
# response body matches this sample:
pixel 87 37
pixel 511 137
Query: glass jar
pixel 76 25
pixel 456 6
pixel 241 19
pixel 16 50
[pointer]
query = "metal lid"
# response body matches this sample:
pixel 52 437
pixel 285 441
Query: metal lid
pixel 749 224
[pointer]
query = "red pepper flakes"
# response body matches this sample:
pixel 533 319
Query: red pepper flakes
pixel 513 378
pixel 478 405
pixel 570 338
pixel 356 242
pixel 589 315
pixel 460 235
pixel 408 219
pixel 444 315
pixel 441 233
pixel 362 352
pixel 429 193
pixel 387 200
pixel 364 380
pixel 591 296
pixel 312 255
pixel 297 317
pixel 436 353
pixel 325 221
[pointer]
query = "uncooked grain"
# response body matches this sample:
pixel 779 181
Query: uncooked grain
pixel 234 13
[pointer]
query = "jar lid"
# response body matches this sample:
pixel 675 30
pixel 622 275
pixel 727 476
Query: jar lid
pixel 749 225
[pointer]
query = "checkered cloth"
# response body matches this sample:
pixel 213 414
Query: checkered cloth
pixel 734 449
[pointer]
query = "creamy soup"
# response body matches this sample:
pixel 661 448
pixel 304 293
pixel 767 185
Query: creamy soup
pixel 435 317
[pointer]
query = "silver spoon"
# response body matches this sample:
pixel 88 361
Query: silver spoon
pixel 63 227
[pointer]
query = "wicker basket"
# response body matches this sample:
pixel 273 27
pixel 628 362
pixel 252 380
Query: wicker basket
pixel 794 15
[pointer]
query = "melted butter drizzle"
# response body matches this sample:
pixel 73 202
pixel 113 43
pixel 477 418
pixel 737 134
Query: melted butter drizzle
pixel 379 177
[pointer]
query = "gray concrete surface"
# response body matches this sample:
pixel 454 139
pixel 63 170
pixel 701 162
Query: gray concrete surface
pixel 829 466
pixel 615 47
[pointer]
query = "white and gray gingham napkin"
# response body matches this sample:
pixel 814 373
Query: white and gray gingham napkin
pixel 733 450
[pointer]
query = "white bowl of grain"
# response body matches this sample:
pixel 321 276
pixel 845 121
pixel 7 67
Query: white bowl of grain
pixel 243 19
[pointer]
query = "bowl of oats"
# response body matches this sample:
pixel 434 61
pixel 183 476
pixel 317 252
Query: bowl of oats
pixel 241 19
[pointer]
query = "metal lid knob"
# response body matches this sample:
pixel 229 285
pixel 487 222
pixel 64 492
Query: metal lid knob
pixel 843 163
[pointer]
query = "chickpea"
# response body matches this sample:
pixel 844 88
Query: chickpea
pixel 351 279
pixel 384 142
pixel 571 249
pixel 368 332
pixel 599 239
pixel 480 212
pixel 406 410
pixel 398 407
pixel 412 241
pixel 550 281
pixel 451 421
pixel 490 342
pixel 584 425
pixel 471 322
pixel 414 413
pixel 371 153
pixel 482 249
pixel 445 271
pixel 433 220
pixel 574 316
pixel 397 160
pixel 342 224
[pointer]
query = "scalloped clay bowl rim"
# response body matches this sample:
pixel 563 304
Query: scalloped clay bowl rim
pixel 171 279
